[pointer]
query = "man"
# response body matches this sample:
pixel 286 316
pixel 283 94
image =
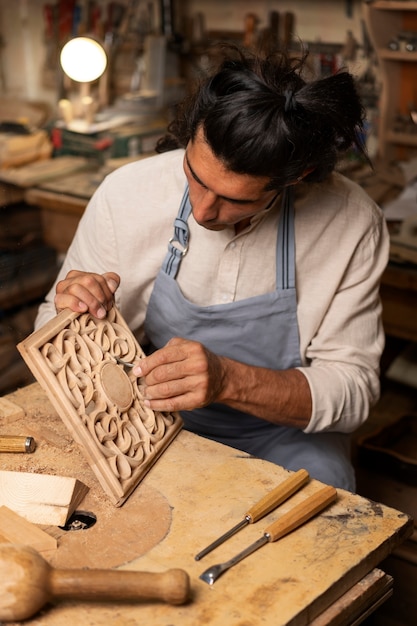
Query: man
pixel 257 299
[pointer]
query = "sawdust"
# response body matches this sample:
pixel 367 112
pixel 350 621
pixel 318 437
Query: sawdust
pixel 120 534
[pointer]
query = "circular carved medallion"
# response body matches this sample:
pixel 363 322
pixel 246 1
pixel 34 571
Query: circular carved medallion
pixel 116 385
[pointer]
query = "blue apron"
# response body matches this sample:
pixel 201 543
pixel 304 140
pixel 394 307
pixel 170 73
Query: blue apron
pixel 260 331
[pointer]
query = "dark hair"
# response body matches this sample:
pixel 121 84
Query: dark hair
pixel 260 117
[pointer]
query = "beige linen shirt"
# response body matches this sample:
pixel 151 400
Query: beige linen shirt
pixel 341 251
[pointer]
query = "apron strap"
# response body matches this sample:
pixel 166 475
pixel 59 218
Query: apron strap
pixel 286 242
pixel 178 244
pixel 285 249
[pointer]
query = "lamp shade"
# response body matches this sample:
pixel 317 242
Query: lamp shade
pixel 83 59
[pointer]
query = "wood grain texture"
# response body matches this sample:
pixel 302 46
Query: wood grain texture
pixel 41 498
pixel 17 530
pixel 74 359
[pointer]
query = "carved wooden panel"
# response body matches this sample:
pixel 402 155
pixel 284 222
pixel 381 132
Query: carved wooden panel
pixel 74 358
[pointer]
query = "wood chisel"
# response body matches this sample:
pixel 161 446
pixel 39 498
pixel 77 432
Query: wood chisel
pixel 17 443
pixel 269 502
pixel 285 524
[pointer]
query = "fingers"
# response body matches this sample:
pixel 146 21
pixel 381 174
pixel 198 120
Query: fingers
pixel 175 395
pixel 181 376
pixel 86 291
pixel 176 360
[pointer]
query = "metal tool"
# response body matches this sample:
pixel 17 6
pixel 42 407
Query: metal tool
pixel 17 443
pixel 124 363
pixel 269 502
pixel 28 582
pixel 284 525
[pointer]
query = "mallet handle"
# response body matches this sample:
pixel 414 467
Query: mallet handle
pixel 172 586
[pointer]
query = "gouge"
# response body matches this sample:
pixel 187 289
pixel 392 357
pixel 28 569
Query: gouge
pixel 124 363
pixel 269 502
pixel 28 582
pixel 17 443
pixel 282 526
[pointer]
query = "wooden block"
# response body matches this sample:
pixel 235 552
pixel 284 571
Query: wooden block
pixel 10 410
pixel 16 529
pixel 41 498
pixel 74 358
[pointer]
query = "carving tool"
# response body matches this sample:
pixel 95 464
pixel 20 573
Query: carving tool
pixel 269 502
pixel 284 525
pixel 28 582
pixel 124 363
pixel 18 443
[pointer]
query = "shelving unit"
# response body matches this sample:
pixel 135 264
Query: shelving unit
pixel 385 20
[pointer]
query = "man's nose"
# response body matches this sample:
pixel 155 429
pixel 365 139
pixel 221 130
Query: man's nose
pixel 205 207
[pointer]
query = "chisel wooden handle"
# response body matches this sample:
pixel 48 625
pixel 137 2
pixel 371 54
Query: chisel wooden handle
pixel 301 513
pixel 27 582
pixel 269 502
pixel 16 443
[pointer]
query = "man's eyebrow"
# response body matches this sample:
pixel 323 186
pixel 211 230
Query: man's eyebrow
pixel 200 182
pixel 194 175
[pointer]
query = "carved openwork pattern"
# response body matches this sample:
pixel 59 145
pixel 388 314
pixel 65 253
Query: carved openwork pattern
pixel 108 400
pixel 75 357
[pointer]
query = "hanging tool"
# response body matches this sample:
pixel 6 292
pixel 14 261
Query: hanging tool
pixel 289 26
pixel 250 25
pixel 349 8
pixel 28 582
pixel 17 443
pixel 274 30
pixel 284 525
pixel 269 502
pixel 269 40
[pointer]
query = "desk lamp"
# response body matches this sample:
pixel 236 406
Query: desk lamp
pixel 83 60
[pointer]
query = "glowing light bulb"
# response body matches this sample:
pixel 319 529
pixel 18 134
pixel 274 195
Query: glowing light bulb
pixel 83 59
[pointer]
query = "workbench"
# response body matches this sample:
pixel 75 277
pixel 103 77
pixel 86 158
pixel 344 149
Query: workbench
pixel 324 573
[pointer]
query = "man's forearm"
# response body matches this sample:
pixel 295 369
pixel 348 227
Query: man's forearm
pixel 281 397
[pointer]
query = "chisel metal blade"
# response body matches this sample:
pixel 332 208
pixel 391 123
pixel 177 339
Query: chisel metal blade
pixel 223 538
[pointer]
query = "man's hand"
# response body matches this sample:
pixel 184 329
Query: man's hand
pixel 183 375
pixel 85 291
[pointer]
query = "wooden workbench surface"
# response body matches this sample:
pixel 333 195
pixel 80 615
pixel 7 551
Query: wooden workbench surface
pixel 196 491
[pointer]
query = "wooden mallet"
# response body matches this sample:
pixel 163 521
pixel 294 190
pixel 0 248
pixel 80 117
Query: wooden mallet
pixel 28 582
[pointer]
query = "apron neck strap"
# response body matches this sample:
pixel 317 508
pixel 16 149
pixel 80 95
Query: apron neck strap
pixel 286 242
pixel 285 250
pixel 178 244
